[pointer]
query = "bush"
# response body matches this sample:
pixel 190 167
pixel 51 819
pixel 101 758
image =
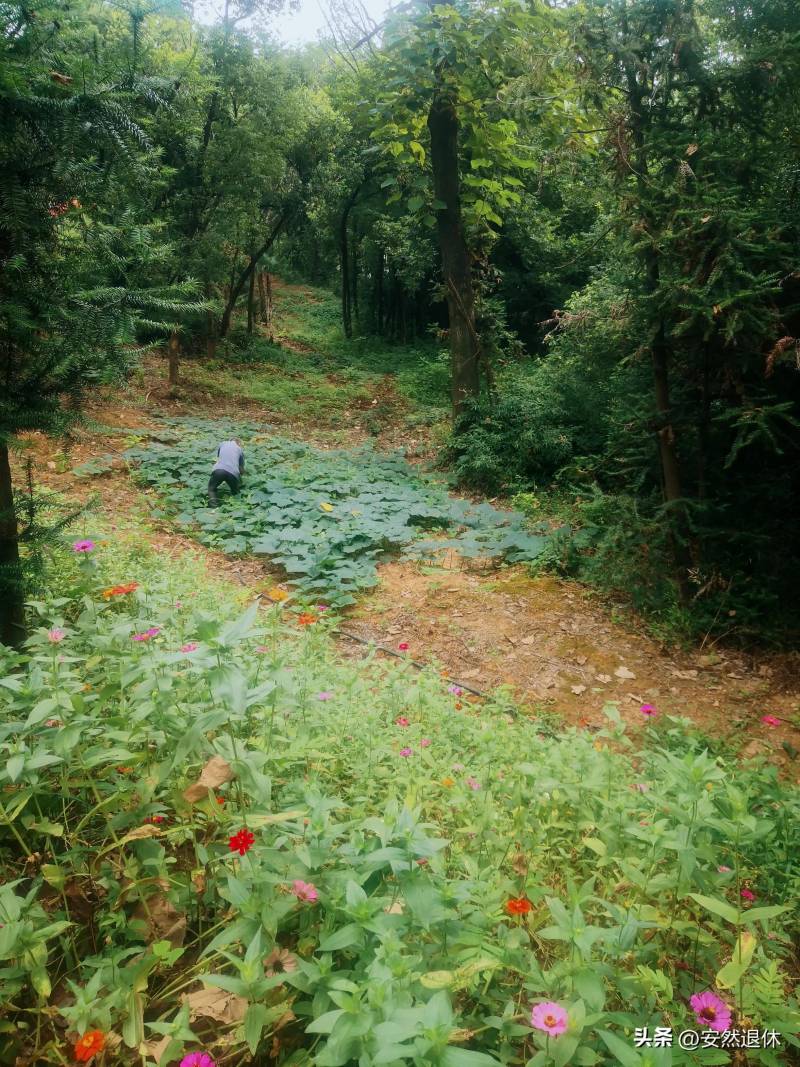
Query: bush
pixel 219 835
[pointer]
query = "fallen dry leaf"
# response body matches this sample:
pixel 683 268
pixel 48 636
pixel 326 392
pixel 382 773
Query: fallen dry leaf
pixel 140 833
pixel 578 689
pixel 164 921
pixel 216 1004
pixel 604 678
pixel 215 773
pixel 623 672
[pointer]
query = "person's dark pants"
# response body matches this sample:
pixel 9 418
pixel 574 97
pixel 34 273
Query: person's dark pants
pixel 216 479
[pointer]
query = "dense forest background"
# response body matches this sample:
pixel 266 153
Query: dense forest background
pixel 584 216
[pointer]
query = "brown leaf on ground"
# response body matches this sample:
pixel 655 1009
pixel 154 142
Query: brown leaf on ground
pixel 215 773
pixel 216 1004
pixel 140 833
pixel 164 921
pixel 623 672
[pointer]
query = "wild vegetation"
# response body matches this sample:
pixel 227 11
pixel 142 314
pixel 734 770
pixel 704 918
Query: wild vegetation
pixel 542 253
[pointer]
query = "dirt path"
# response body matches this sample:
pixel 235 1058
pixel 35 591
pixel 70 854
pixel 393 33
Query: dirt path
pixel 555 646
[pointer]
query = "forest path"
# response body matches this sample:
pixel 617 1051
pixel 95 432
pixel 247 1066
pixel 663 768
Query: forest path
pixel 555 646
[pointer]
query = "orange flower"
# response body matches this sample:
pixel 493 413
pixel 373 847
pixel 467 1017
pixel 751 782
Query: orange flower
pixel 305 618
pixel 518 906
pixel 92 1042
pixel 277 594
pixel 447 782
pixel 459 705
pixel 120 590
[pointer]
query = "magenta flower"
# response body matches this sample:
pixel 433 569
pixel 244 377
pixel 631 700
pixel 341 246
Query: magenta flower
pixel 56 634
pixel 198 1059
pixel 771 720
pixel 324 695
pixel 190 646
pixel 550 1017
pixel 456 690
pixel 648 711
pixel 403 646
pixel 748 895
pixel 83 546
pixel 401 720
pixel 153 631
pixel 405 752
pixel 178 604
pixel 305 891
pixel 474 784
pixel 711 1012
pixel 425 742
pixel 322 607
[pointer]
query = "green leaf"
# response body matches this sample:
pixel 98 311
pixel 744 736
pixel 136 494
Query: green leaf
pixel 345 937
pixel 743 950
pixel 255 1020
pixel 717 907
pixel 624 1053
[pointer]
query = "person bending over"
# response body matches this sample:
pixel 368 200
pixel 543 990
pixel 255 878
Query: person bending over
pixel 229 468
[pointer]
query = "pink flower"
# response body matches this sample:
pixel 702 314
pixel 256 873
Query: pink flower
pixel 456 690
pixel 405 752
pixel 711 1012
pixel 425 742
pixel 178 604
pixel 640 787
pixel 197 1059
pixel 422 862
pixel 53 722
pixel 147 634
pixel 550 1017
pixel 262 649
pixel 305 891
pixel 56 634
pixel 324 695
pixel 153 631
pixel 190 646
pixel 83 546
pixel 771 720
pixel 648 711
pixel 322 607
pixel 723 869
pixel 748 895
pixel 474 784
pixel 403 646
pixel 401 720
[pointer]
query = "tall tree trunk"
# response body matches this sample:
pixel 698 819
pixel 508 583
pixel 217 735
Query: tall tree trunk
pixel 211 325
pixel 344 260
pixel 262 298
pixel 12 591
pixel 251 303
pixel 270 307
pixel 173 357
pixel 379 294
pixel 456 268
pixel 354 279
pixel 238 285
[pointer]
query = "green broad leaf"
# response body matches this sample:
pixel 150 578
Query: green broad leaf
pixel 255 1019
pixel 54 875
pixel 743 950
pixel 415 203
pixel 624 1052
pixel 325 1023
pixel 14 767
pixel 596 845
pixel 345 937
pixel 463 1057
pixel 717 907
pixel 438 979
pixel 769 912
pixel 133 1027
pixel 563 1048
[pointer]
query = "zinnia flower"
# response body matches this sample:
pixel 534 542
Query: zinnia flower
pixel 241 841
pixel 305 618
pixel 425 742
pixel 447 782
pixel 324 695
pixel 550 1017
pixel 153 630
pixel 92 1042
pixel 401 720
pixel 322 607
pixel 56 634
pixel 648 711
pixel 518 906
pixel 771 720
pixel 456 690
pixel 723 869
pixel 261 649
pixel 748 895
pixel 85 546
pixel 305 891
pixel 405 752
pixel 277 594
pixel 474 784
pixel 403 646
pixel 190 646
pixel 711 1012
pixel 120 590
pixel 279 961
pixel 198 1059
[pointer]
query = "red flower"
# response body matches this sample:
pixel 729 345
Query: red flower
pixel 518 906
pixel 403 646
pixel 92 1042
pixel 305 618
pixel 241 842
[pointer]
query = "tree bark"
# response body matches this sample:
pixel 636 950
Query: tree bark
pixel 173 357
pixel 12 590
pixel 251 303
pixel 456 266
pixel 379 294
pixel 270 307
pixel 354 279
pixel 344 260
pixel 238 285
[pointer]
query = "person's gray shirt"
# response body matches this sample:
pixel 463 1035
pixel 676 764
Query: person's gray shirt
pixel 230 458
